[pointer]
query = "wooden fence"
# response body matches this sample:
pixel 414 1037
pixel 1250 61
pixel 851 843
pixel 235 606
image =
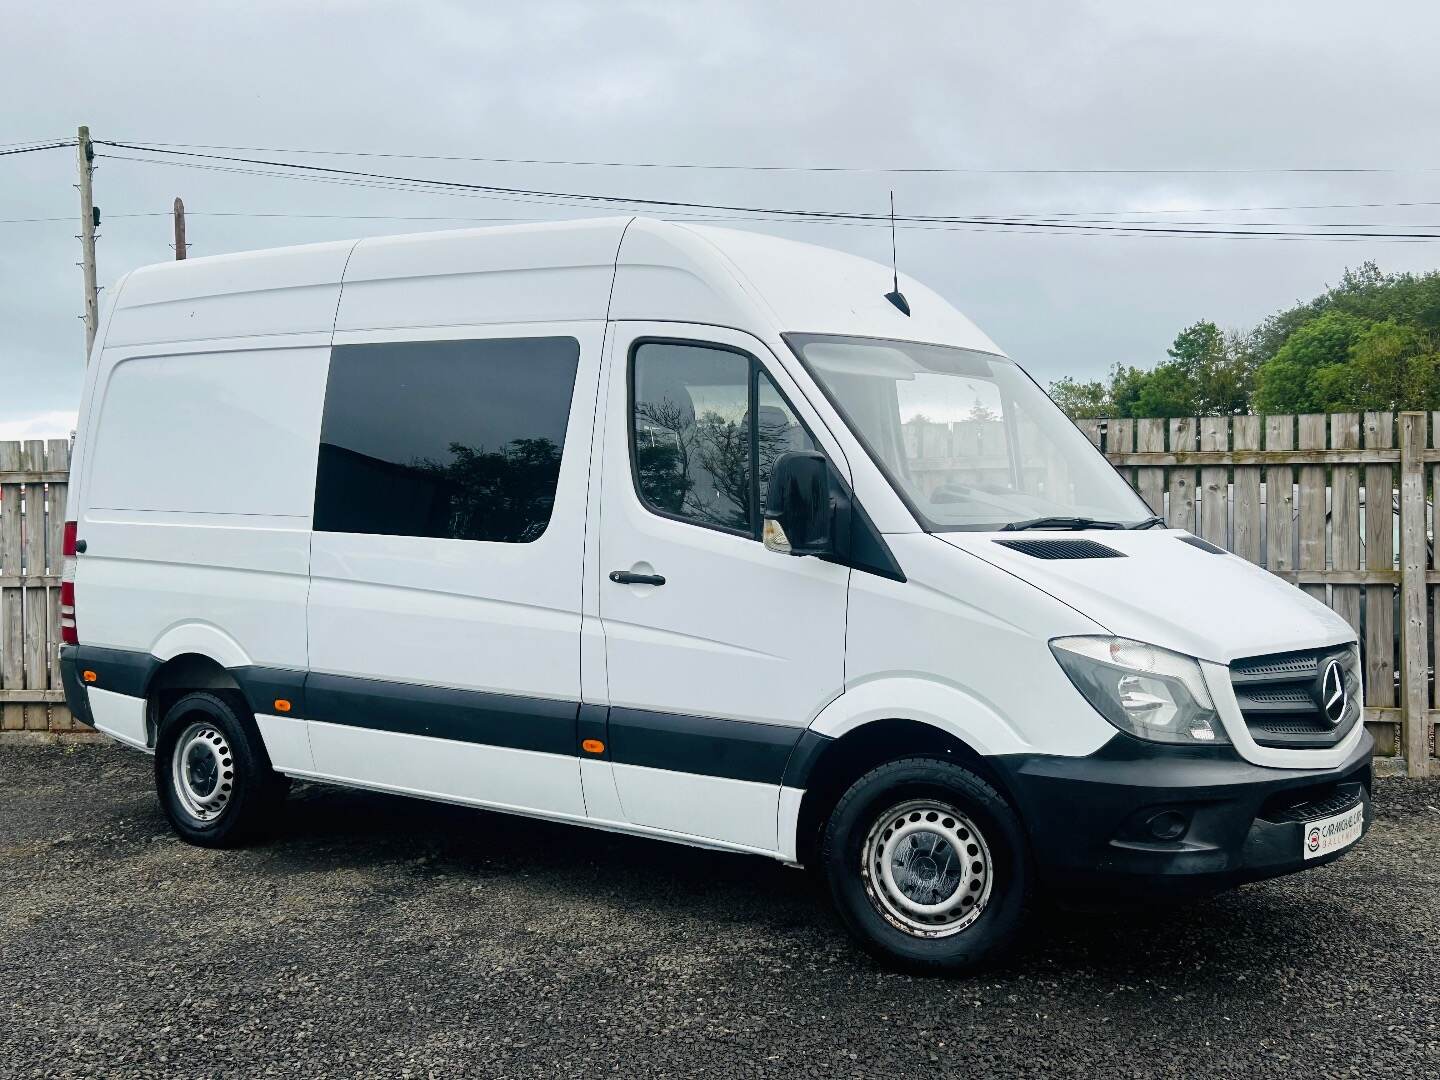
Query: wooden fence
pixel 32 518
pixel 1299 496
pixel 1286 492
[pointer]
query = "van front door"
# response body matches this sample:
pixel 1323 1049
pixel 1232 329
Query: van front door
pixel 718 653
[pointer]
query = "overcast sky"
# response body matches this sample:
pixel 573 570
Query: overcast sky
pixel 1104 85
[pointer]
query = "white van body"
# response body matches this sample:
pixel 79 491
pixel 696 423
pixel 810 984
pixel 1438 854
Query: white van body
pixel 476 671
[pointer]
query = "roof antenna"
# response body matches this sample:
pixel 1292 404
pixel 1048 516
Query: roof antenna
pixel 897 297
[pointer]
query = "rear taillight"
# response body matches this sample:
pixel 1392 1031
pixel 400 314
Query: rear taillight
pixel 68 635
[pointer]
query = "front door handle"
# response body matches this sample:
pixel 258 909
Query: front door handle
pixel 627 577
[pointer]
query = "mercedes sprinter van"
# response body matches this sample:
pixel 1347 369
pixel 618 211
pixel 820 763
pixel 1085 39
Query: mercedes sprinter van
pixel 687 533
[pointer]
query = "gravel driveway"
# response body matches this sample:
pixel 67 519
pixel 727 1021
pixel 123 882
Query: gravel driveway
pixel 377 936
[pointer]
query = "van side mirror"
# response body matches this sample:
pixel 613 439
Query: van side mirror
pixel 799 516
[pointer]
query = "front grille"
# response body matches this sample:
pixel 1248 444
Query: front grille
pixel 1282 698
pixel 1311 805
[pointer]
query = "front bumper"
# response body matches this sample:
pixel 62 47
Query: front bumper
pixel 1092 827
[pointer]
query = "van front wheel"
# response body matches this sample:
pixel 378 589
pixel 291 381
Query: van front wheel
pixel 212 774
pixel 928 865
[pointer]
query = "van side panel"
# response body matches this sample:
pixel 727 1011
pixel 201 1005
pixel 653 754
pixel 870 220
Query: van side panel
pixel 193 471
pixel 196 508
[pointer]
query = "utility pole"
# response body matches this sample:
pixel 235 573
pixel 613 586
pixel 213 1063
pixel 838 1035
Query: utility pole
pixel 179 228
pixel 89 219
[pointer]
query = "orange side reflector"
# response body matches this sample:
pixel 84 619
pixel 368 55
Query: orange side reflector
pixel 89 676
pixel 281 705
pixel 593 746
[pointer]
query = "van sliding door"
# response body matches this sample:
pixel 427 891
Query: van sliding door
pixel 444 612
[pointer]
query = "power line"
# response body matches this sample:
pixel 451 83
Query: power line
pixel 362 178
pixel 145 144
pixel 779 213
pixel 995 228
pixel 1233 209
pixel 32 149
pixel 272 214
pixel 1068 216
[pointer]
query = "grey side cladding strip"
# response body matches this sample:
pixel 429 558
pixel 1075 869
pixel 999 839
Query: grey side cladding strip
pixel 262 686
pixel 703 746
pixel 121 671
pixel 801 763
pixel 472 716
pixel 730 749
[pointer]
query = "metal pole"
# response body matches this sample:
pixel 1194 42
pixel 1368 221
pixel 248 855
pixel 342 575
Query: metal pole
pixel 179 228
pixel 86 153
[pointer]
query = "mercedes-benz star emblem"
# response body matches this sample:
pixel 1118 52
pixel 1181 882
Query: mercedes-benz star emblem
pixel 1332 693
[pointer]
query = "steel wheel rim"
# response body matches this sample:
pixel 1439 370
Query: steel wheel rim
pixel 927 869
pixel 203 771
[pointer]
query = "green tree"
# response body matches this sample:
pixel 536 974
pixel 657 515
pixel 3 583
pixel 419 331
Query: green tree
pixel 1290 381
pixel 1218 368
pixel 1082 399
pixel 1166 391
pixel 1125 386
pixel 1388 366
pixel 1370 342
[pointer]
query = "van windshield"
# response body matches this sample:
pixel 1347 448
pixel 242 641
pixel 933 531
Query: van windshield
pixel 966 437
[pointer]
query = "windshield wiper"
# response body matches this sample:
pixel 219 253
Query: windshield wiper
pixel 1074 523
pixel 1148 523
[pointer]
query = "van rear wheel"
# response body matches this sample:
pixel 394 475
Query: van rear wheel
pixel 212 773
pixel 927 865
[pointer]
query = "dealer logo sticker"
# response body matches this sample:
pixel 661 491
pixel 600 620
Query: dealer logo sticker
pixel 1333 833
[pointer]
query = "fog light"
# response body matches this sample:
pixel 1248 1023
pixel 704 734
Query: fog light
pixel 1168 825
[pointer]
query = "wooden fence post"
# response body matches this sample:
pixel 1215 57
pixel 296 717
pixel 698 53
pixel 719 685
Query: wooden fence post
pixel 1215 482
pixel 1380 596
pixel 1249 537
pixel 1345 517
pixel 1414 702
pixel 12 598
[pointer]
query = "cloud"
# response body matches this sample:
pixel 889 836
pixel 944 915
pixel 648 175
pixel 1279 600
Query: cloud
pixel 1030 83
pixel 47 425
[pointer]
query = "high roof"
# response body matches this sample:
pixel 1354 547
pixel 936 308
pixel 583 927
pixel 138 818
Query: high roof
pixel 753 281
pixel 628 268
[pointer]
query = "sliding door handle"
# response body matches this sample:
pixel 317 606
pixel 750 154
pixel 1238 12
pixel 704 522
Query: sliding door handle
pixel 627 577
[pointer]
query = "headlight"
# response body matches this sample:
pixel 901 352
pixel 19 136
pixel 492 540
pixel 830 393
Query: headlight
pixel 1148 692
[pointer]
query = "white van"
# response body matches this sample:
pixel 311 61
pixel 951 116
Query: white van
pixel 688 533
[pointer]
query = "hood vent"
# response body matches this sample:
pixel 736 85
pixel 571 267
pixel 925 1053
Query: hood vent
pixel 1203 545
pixel 1062 549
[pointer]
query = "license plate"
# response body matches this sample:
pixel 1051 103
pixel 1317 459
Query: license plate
pixel 1333 833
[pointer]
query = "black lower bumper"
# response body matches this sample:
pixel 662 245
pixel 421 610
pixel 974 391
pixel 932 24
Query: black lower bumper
pixel 77 698
pixel 1149 819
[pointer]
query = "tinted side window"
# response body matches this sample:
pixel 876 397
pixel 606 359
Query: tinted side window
pixel 448 439
pixel 708 425
pixel 692 448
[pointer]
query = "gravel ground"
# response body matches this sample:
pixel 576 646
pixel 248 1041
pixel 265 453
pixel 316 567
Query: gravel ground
pixel 377 936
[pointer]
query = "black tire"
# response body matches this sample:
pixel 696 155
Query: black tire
pixel 225 747
pixel 987 905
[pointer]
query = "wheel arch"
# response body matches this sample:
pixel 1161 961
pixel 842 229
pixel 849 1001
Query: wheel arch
pixel 181 674
pixel 839 762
